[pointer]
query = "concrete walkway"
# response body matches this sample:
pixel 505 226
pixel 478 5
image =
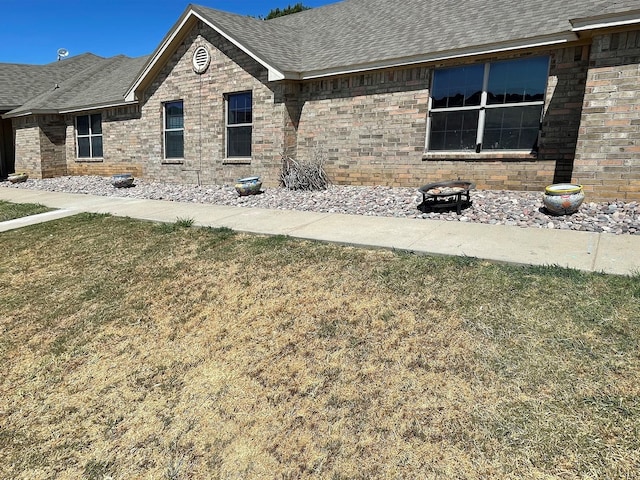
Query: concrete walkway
pixel 588 251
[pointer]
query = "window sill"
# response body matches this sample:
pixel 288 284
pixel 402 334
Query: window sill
pixel 90 160
pixel 172 161
pixel 485 155
pixel 237 161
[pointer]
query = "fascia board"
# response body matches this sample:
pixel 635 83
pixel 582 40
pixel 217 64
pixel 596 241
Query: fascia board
pixel 97 107
pixel 274 73
pixel 605 21
pixel 27 113
pixel 534 42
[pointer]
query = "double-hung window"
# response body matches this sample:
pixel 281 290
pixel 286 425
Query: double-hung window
pixel 89 135
pixel 239 124
pixel 173 130
pixel 491 106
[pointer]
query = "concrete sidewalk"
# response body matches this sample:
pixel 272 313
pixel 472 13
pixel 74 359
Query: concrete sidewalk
pixel 588 251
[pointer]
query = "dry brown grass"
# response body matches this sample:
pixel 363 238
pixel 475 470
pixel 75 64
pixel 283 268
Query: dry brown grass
pixel 131 350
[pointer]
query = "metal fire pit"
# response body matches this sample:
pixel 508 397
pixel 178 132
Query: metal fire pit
pixel 446 195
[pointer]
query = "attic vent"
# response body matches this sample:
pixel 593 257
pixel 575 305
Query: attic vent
pixel 201 59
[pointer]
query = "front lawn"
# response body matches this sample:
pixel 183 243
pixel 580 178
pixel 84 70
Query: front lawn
pixel 136 350
pixel 11 211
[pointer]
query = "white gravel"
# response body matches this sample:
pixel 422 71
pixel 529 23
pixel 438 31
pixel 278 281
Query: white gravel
pixel 488 206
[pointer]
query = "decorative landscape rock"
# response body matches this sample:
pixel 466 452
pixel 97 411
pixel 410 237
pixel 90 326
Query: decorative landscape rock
pixel 494 207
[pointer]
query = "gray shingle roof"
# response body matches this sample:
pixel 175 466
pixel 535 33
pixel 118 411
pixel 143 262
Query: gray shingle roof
pixel 347 35
pixel 19 83
pixel 103 82
pixel 360 32
pixel 357 33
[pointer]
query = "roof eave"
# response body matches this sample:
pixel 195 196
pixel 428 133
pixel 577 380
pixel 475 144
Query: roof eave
pixel 178 33
pixel 97 106
pixel 533 42
pixel 27 113
pixel 597 22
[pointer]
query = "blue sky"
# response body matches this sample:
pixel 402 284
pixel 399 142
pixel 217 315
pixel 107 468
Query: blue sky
pixel 33 30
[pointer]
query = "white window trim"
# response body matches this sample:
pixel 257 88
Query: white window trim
pixel 165 130
pixel 90 135
pixel 481 116
pixel 235 125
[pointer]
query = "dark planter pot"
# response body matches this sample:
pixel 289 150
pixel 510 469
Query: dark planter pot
pixel 122 180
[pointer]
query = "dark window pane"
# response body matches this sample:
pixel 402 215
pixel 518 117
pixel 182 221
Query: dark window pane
pixel 84 149
pixel 96 124
pixel 239 108
pixel 83 125
pixel 239 141
pixel 453 130
pixel 512 128
pixel 174 115
pixel 523 80
pixel 174 144
pixel 457 87
pixel 96 146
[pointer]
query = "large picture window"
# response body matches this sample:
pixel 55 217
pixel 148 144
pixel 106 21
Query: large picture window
pixel 492 106
pixel 89 136
pixel 239 125
pixel 173 130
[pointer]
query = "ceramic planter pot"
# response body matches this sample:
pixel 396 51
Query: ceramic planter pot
pixel 563 198
pixel 18 177
pixel 248 186
pixel 122 180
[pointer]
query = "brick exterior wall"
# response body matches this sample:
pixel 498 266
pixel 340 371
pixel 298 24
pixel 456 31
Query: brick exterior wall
pixel 607 160
pixel 40 145
pixel 370 127
pixel 230 71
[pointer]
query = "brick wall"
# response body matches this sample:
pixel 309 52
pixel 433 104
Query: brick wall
pixel 230 71
pixel 372 129
pixel 607 160
pixel 40 145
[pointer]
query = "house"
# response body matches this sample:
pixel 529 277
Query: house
pixel 390 92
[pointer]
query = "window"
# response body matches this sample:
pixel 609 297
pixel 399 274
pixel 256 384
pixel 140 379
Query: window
pixel 495 106
pixel 89 136
pixel 173 130
pixel 239 125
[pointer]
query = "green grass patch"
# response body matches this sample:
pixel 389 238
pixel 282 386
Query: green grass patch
pixel 11 211
pixel 137 350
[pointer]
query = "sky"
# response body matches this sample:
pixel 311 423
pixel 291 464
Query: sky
pixel 32 31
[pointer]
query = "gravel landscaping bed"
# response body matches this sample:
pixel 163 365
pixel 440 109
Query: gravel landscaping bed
pixel 499 207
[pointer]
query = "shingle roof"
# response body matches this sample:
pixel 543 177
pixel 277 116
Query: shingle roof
pixel 360 32
pixel 345 36
pixel 19 83
pixel 103 82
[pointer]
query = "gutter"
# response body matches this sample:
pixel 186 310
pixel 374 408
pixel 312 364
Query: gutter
pixel 605 21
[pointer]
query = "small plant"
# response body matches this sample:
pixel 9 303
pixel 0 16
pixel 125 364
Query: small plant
pixel 184 222
pixel 304 175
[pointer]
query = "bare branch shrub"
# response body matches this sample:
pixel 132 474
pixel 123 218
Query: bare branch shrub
pixel 304 175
